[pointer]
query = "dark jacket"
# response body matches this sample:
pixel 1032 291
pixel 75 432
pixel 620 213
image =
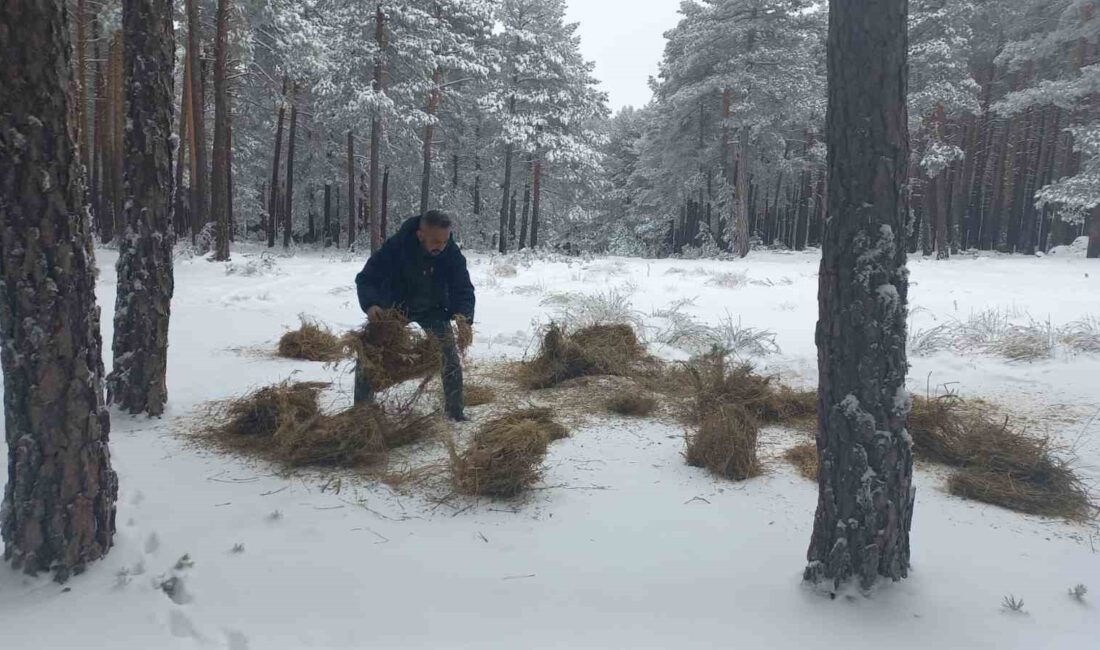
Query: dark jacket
pixel 390 279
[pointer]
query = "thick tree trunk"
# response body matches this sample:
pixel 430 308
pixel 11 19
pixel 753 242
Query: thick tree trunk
pixel 376 135
pixel 219 180
pixel 58 512
pixel 865 503
pixel 288 211
pixel 536 198
pixel 351 190
pixel 83 129
pixel 137 383
pixel 1094 235
pixel 98 141
pixel 200 207
pixel 272 204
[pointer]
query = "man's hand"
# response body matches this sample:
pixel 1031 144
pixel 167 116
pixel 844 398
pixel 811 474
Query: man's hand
pixel 374 314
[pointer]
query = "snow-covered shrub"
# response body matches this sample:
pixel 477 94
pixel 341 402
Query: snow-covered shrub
pixel 730 280
pixel 1082 335
pixel 610 307
pixel 746 341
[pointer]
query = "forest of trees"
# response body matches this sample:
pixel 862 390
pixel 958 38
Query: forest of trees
pixel 324 121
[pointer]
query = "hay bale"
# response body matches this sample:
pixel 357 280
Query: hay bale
pixel 478 394
pixel 271 410
pixel 311 342
pixel 595 350
pixel 998 464
pixel 725 443
pixel 505 455
pixel 390 353
pixel 804 458
pixel 631 403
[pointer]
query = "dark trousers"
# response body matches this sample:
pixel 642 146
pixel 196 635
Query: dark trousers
pixel 444 334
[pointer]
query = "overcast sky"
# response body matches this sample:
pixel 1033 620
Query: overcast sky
pixel 624 38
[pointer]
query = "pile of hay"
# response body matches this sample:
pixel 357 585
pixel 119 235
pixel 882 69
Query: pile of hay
pixel 311 342
pixel 997 463
pixel 283 423
pixel 505 455
pixel 714 381
pixel 631 403
pixel 804 459
pixel 389 352
pixel 478 394
pixel 464 334
pixel 595 350
pixel 725 443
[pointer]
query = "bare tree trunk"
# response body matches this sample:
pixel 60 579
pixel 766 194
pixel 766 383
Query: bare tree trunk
pixel 1094 235
pixel 200 207
pixel 351 190
pixel 58 511
pixel 505 195
pixel 288 212
pixel 179 214
pixel 100 123
pixel 328 215
pixel 118 129
pixel 741 220
pixel 526 204
pixel 429 133
pixel 385 201
pixel 865 502
pixel 229 172
pixel 219 181
pixel 536 197
pixel 272 205
pixel 376 134
pixel 83 128
pixel 137 383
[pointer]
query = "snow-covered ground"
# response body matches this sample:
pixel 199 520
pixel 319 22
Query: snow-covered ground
pixel 625 547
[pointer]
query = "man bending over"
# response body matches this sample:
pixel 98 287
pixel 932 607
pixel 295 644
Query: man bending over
pixel 421 272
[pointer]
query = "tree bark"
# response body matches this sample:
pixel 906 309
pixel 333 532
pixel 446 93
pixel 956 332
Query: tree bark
pixel 865 503
pixel 351 190
pixel 328 216
pixel 58 511
pixel 83 129
pixel 230 217
pixel 288 212
pixel 376 133
pixel 179 214
pixel 200 207
pixel 526 205
pixel 272 205
pixel 429 133
pixel 505 196
pixel 385 201
pixel 1094 235
pixel 536 198
pixel 100 123
pixel 137 383
pixel 741 220
pixel 219 181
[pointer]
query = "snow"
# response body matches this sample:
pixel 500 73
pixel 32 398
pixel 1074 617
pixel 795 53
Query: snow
pixel 625 547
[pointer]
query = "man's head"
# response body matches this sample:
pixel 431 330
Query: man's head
pixel 434 232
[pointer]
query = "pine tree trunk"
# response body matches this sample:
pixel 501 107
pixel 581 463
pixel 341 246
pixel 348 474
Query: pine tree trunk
pixel 429 133
pixel 137 383
pixel 536 198
pixel 506 191
pixel 385 202
pixel 741 220
pixel 288 212
pixel 219 180
pixel 98 144
pixel 1094 235
pixel 179 214
pixel 351 190
pixel 526 205
pixel 376 135
pixel 83 129
pixel 272 205
pixel 58 511
pixel 200 207
pixel 865 503
pixel 328 215
pixel 230 216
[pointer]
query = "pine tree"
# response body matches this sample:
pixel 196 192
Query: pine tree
pixel 865 502
pixel 58 511
pixel 137 382
pixel 219 181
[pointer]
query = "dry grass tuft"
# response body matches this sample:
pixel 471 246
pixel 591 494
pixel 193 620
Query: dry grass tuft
pixel 505 456
pixel 631 403
pixel 594 350
pixel 479 394
pixel 804 458
pixel 725 443
pixel 283 423
pixel 464 334
pixel 390 353
pixel 311 342
pixel 998 464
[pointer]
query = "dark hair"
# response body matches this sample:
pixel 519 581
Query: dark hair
pixel 436 219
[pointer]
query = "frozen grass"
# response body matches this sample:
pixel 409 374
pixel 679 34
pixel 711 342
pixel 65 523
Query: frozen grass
pixel 578 310
pixel 681 330
pixel 1007 334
